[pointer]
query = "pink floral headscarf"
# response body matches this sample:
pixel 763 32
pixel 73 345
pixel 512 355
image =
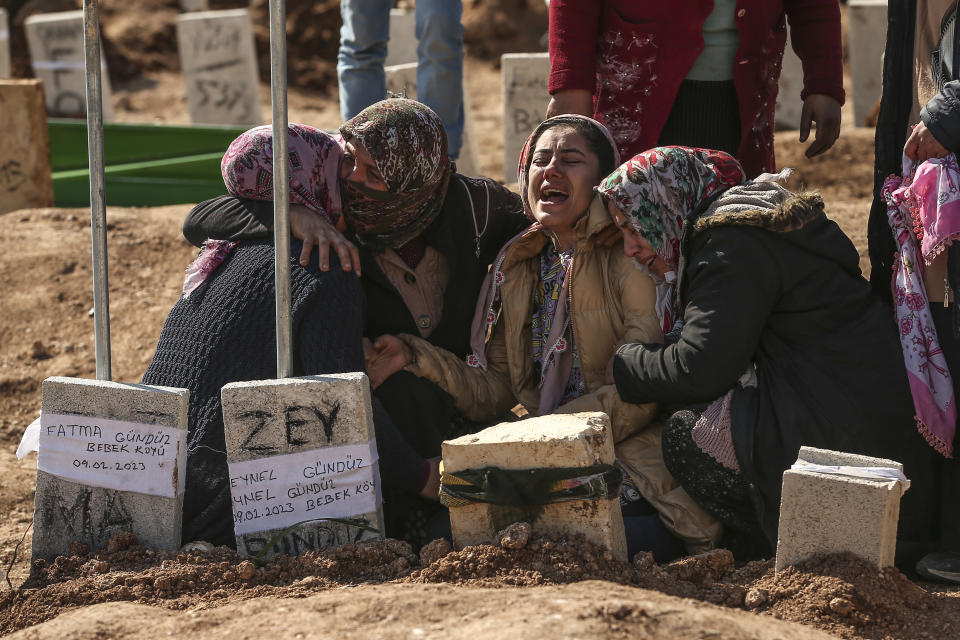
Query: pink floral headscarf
pixel 924 204
pixel 247 169
pixel 315 157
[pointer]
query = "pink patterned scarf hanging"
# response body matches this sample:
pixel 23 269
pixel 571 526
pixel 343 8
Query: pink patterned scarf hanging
pixel 924 203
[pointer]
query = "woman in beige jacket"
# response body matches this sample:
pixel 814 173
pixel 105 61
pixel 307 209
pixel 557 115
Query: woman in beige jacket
pixel 560 302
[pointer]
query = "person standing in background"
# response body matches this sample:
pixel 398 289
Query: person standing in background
pixel 364 38
pixel 921 87
pixel 696 73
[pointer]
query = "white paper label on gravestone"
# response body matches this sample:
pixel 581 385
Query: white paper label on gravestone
pixel 276 492
pixel 113 454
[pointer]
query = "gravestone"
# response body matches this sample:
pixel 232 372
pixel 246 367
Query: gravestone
pixel 834 502
pixel 402 79
pixel 195 5
pixel 789 106
pixel 55 41
pixel 219 67
pixel 525 98
pixel 25 180
pixel 112 458
pixel 576 440
pixel 402 47
pixel 4 44
pixel 867 34
pixel 302 454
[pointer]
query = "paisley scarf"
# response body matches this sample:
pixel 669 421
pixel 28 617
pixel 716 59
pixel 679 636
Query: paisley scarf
pixel 409 146
pixel 924 204
pixel 658 189
pixel 247 169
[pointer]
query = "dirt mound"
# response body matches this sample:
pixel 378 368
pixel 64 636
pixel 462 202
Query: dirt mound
pixel 840 594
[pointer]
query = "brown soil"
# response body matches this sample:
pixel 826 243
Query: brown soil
pixel 839 594
pixel 536 587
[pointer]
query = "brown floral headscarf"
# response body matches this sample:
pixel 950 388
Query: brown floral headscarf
pixel 409 146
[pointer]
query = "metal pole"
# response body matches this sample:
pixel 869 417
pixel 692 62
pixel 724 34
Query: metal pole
pixel 281 186
pixel 98 212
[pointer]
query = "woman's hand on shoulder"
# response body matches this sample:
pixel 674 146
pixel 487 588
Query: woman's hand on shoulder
pixel 387 355
pixel 315 231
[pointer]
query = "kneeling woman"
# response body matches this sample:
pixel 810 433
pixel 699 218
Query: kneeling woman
pixel 558 305
pixel 771 315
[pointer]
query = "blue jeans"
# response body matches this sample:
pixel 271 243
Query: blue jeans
pixel 363 48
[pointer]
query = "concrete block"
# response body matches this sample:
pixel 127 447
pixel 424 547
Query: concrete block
pixel 555 441
pixel 789 106
pixel 68 510
pixel 525 98
pixel 25 180
pixel 301 449
pixel 219 63
pixel 402 79
pixel 195 5
pixel 867 37
pixel 402 47
pixel 55 41
pixel 827 513
pixel 4 44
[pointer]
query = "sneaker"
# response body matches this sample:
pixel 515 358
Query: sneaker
pixel 943 566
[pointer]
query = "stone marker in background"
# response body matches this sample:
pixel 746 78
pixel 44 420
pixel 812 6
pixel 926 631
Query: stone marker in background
pixel 57 55
pixel 4 44
pixel 402 47
pixel 525 98
pixel 25 180
pixel 219 66
pixel 789 105
pixel 867 36
pixel 402 79
pixel 195 5
pixel 824 512
pixel 547 442
pixel 96 437
pixel 302 449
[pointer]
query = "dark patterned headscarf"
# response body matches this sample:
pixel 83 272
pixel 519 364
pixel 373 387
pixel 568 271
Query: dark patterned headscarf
pixel 409 146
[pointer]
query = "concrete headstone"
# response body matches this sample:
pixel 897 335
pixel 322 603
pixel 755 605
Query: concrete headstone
pixel 545 442
pixel 25 180
pixel 219 66
pixel 867 33
pixel 831 504
pixel 96 437
pixel 789 106
pixel 525 98
pixel 402 80
pixel 302 454
pixel 4 44
pixel 402 47
pixel 55 41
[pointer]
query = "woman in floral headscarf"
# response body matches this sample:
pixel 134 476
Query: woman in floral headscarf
pixel 558 303
pixel 777 340
pixel 223 328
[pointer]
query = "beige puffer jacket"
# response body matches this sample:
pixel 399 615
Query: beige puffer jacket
pixel 611 303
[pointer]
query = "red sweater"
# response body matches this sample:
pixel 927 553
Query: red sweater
pixel 633 56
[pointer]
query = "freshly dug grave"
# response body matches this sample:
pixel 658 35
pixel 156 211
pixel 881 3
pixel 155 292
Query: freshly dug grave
pixel 842 595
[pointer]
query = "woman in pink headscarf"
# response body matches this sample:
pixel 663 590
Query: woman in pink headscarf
pixel 223 329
